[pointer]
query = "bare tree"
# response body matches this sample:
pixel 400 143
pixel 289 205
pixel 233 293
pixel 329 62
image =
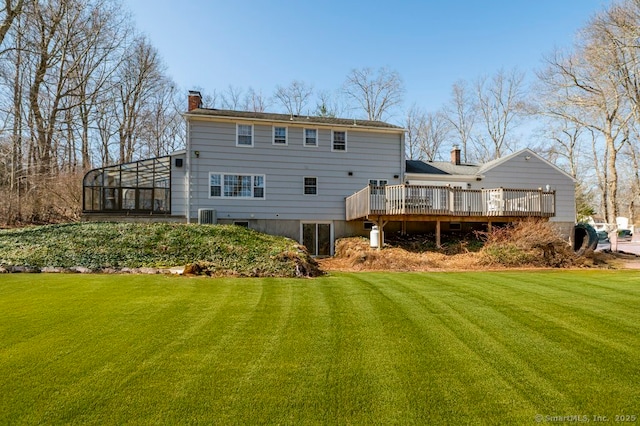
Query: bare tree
pixel 141 75
pixel 413 123
pixel 462 113
pixel 231 98
pixel 294 97
pixel 255 101
pixel 500 105
pixel 328 104
pixel 376 93
pixel 587 87
pixel 426 133
pixel 161 127
pixel 9 12
pixel 435 130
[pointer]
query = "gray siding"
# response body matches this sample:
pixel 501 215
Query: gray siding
pixel 520 173
pixel 370 154
pixel 178 186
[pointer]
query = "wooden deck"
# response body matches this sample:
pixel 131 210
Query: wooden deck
pixel 420 202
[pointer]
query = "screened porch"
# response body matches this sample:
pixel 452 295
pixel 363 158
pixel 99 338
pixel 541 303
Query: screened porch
pixel 138 187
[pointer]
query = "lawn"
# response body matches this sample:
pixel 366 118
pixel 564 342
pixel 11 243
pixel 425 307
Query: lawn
pixel 379 348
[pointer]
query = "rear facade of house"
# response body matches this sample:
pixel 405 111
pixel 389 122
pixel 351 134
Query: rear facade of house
pixel 317 179
pixel 285 175
pixel 275 173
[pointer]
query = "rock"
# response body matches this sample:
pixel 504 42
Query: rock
pixel 80 270
pixel 24 269
pixel 52 270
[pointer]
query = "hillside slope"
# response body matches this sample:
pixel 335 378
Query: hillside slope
pixel 208 249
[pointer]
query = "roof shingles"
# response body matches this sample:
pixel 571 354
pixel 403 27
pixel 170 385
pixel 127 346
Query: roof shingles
pixel 297 119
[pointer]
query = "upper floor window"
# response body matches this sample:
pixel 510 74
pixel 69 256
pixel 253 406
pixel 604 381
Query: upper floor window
pixel 244 135
pixel 236 186
pixel 279 135
pixel 310 137
pixel 339 141
pixel 310 185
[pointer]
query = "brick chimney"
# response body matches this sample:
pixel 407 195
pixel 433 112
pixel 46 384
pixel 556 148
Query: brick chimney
pixel 455 155
pixel 195 100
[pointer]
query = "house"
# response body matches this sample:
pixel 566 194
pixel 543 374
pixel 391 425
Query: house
pixel 452 196
pixel 316 179
pixel 277 173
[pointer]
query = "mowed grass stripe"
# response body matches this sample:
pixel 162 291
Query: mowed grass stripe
pixel 462 375
pixel 347 348
pixel 554 337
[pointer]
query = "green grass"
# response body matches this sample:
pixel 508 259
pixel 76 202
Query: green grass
pixel 381 348
pixel 222 249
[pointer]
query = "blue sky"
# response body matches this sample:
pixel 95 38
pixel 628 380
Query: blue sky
pixel 212 44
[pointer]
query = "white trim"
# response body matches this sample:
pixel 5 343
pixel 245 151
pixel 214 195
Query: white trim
pixel 304 137
pixel 238 135
pixel 222 196
pixel 492 164
pixel 304 186
pixel 273 135
pixel 319 222
pixel 346 138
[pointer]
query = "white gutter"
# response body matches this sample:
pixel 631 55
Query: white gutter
pixel 443 178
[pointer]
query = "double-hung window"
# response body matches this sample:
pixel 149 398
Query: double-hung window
pixel 225 185
pixel 279 135
pixel 310 137
pixel 339 141
pixel 310 185
pixel 244 135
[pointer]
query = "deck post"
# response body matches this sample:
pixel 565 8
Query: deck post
pixel 489 226
pixel 438 233
pixel 381 223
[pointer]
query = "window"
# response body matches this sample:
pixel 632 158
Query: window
pixel 310 137
pixel 244 135
pixel 310 186
pixel 236 186
pixel 242 223
pixel 378 186
pixel 279 135
pixel 339 141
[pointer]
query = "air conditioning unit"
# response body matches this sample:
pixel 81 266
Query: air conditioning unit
pixel 207 217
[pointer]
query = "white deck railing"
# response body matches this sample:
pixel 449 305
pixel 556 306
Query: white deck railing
pixel 425 200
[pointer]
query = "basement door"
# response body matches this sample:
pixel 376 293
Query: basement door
pixel 317 237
